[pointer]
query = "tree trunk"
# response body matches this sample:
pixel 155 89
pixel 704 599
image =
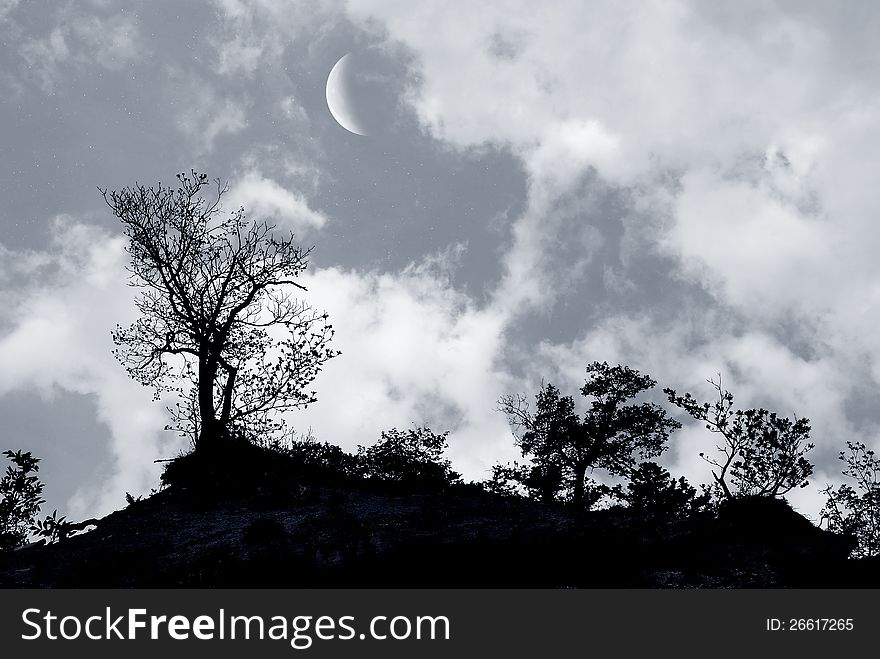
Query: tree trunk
pixel 720 480
pixel 211 431
pixel 228 388
pixel 578 496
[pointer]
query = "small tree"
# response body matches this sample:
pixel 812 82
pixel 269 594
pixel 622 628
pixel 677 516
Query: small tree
pixel 852 512
pixel 563 447
pixel 413 456
pixel 20 499
pixel 218 324
pixel 762 454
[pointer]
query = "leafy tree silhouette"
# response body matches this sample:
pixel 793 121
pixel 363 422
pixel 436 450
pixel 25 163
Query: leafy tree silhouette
pixel 20 498
pixel 853 512
pixel 217 312
pixel 762 453
pixel 563 447
pixel 413 457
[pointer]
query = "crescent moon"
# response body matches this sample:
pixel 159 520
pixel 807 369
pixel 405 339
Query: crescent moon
pixel 339 100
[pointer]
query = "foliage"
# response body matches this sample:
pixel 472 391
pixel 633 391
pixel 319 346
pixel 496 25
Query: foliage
pixel 853 512
pixel 20 498
pixel 413 457
pixel 314 460
pixel 219 325
pixel 562 446
pixel 53 528
pixel 762 454
pixel 541 483
pixel 515 479
pixel 654 494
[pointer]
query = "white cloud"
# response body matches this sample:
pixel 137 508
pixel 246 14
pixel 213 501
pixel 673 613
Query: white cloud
pixel 56 334
pixel 757 251
pixel 262 196
pixel 413 351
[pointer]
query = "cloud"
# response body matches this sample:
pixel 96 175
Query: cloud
pixel 44 56
pixel 205 114
pixel 754 250
pixel 55 333
pixel 7 6
pixel 84 41
pixel 413 351
pixel 265 197
pixel 638 93
pixel 255 32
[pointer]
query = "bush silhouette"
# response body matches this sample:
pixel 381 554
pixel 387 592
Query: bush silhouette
pixel 309 460
pixel 408 457
pixel 20 499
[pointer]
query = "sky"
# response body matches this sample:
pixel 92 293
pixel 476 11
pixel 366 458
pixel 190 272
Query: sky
pixel 687 188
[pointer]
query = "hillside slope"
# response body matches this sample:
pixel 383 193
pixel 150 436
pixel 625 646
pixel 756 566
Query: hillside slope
pixel 274 530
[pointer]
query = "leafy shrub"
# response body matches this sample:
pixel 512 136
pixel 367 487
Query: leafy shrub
pixel 53 528
pixel 856 511
pixel 412 457
pixel 20 499
pixel 322 460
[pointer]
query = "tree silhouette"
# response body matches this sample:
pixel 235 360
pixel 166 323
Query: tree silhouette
pixel 853 512
pixel 762 453
pixel 217 313
pixel 610 435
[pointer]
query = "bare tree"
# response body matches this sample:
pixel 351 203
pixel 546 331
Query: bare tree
pixel 761 454
pixel 219 324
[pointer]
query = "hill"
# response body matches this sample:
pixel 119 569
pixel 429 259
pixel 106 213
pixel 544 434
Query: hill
pixel 254 520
